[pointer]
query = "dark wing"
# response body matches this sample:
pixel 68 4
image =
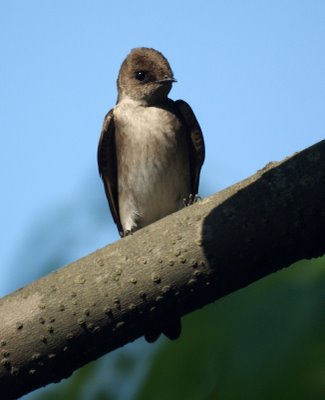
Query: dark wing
pixel 197 149
pixel 107 165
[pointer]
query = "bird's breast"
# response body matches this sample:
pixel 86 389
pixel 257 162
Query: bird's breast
pixel 153 163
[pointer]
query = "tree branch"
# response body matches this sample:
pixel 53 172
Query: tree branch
pixel 191 258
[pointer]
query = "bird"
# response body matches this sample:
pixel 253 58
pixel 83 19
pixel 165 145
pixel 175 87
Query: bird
pixel 150 152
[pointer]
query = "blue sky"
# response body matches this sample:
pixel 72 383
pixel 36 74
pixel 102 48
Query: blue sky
pixel 253 71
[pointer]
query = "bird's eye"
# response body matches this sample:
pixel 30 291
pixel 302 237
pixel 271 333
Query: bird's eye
pixel 140 76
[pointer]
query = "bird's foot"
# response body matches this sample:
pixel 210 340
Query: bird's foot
pixel 128 232
pixel 191 200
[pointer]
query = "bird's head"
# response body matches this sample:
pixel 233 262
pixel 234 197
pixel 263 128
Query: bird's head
pixel 145 76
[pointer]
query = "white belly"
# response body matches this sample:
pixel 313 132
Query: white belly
pixel 153 165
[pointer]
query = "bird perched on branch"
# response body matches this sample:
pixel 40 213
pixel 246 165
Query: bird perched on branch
pixel 150 152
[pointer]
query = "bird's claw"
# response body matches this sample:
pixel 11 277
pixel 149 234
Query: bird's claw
pixel 128 232
pixel 191 200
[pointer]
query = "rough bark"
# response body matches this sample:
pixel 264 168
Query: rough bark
pixel 113 296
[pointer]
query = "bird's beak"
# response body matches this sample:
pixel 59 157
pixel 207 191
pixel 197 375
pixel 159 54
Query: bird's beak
pixel 167 80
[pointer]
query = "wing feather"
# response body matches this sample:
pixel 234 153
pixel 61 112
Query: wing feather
pixel 107 166
pixel 197 148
